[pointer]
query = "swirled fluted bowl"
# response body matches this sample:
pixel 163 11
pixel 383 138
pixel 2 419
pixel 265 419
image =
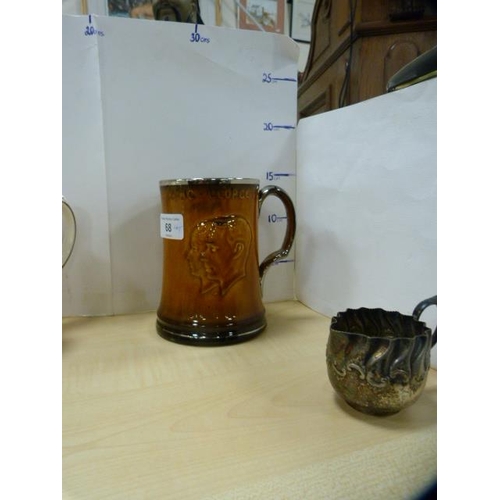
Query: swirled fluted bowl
pixel 378 360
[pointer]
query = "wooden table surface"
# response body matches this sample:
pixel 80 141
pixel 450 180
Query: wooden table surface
pixel 144 418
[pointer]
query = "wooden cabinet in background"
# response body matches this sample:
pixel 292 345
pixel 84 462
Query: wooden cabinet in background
pixel 350 62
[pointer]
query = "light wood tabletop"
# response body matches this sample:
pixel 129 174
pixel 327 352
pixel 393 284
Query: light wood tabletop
pixel 144 418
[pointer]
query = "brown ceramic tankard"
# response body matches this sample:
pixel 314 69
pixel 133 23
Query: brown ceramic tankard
pixel 211 290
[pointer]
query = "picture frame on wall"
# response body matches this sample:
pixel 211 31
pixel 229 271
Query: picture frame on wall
pixel 135 9
pixel 270 14
pixel 300 20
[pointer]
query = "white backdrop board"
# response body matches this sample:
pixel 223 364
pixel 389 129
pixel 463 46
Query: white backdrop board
pixel 145 101
pixel 367 204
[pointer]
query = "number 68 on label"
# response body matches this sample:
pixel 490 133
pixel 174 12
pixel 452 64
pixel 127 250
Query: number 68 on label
pixel 172 226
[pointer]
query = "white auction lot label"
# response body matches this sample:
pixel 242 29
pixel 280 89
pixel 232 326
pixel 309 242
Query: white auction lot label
pixel 172 226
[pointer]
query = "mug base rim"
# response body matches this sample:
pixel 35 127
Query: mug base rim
pixel 213 338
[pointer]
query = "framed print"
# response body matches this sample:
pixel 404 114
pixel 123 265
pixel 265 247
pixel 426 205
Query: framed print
pixel 138 9
pixel 300 23
pixel 270 14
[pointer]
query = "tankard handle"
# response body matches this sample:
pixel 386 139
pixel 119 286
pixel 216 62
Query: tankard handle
pixel 419 309
pixel 69 231
pixel 290 227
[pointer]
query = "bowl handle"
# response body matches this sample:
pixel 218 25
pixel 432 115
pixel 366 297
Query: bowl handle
pixel 419 309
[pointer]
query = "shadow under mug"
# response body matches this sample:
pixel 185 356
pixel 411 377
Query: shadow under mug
pixel 378 360
pixel 212 279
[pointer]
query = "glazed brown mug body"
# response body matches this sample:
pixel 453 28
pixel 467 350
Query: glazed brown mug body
pixel 211 288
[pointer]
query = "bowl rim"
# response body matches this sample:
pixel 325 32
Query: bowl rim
pixel 425 330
